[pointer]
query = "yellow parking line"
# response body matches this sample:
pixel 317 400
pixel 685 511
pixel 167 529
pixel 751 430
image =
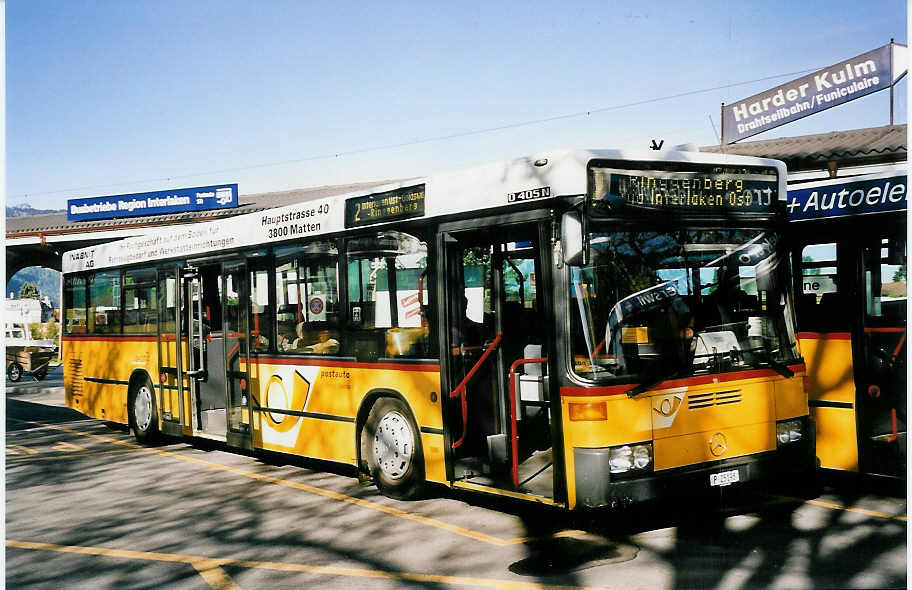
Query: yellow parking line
pixel 840 507
pixel 19 449
pixel 205 566
pixel 68 455
pixel 865 511
pixel 217 578
pixel 557 535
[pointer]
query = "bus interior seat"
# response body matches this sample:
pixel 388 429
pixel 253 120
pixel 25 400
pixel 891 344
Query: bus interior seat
pixel 365 345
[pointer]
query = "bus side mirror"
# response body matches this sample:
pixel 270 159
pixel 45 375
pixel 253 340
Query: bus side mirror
pixel 572 238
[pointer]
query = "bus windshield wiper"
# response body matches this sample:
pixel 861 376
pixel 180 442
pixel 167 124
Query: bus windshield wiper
pixel 768 359
pixel 651 382
pixel 648 384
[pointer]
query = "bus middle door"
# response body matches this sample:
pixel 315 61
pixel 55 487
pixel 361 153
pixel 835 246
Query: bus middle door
pixel 215 313
pixel 496 324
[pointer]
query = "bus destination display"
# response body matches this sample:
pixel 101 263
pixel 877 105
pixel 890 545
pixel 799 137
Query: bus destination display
pixel 403 203
pixel 686 192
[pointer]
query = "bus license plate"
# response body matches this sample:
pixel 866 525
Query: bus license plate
pixel 724 478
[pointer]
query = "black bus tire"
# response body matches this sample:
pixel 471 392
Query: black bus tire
pixel 394 453
pixel 143 412
pixel 14 372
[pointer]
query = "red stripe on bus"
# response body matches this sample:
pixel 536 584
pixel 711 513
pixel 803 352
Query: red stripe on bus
pixel 124 338
pixel 429 367
pixel 884 330
pixel 825 335
pixel 687 381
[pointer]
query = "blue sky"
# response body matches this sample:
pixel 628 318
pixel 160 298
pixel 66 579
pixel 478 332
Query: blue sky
pixel 129 96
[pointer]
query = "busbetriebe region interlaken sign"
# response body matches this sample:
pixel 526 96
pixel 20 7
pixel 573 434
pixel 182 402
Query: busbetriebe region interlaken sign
pixel 850 79
pixel 203 198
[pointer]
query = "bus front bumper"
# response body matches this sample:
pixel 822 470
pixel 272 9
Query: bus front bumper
pixel 791 466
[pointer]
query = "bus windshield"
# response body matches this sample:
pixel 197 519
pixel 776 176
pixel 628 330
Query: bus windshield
pixel 651 305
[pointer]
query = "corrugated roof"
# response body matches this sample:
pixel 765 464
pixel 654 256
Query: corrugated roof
pixel 55 223
pixel 874 145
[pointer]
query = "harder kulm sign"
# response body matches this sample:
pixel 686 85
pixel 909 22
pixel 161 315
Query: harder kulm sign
pixel 204 198
pixel 840 83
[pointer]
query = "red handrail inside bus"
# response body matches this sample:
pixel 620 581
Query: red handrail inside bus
pixel 898 349
pixel 421 298
pixel 899 345
pixel 461 388
pixel 514 442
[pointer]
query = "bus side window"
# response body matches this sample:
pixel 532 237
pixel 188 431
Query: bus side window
pixel 822 307
pixel 140 301
pixel 260 319
pixel 885 281
pixel 307 299
pixel 104 303
pixel 388 296
pixel 74 302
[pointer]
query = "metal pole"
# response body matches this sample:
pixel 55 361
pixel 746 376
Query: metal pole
pixel 722 126
pixel 891 81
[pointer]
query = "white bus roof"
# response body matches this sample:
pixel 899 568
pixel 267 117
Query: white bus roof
pixel 486 187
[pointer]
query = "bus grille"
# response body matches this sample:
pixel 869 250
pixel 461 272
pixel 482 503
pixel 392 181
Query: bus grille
pixel 713 398
pixel 75 370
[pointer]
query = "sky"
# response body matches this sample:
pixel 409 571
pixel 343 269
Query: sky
pixel 125 96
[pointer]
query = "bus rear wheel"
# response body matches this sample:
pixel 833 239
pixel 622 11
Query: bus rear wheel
pixel 143 412
pixel 394 453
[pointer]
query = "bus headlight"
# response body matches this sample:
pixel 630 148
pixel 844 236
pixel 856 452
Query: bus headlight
pixel 630 458
pixel 788 431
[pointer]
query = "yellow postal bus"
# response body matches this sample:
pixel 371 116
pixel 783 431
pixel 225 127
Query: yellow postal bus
pixel 849 249
pixel 578 328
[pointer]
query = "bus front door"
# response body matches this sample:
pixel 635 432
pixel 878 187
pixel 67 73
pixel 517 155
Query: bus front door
pixel 496 322
pixel 172 354
pixel 881 376
pixel 215 313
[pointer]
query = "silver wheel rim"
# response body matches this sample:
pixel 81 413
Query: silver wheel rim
pixel 14 373
pixel 142 408
pixel 394 445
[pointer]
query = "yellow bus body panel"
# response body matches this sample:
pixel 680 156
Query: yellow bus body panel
pixel 97 373
pixel 681 421
pixel 831 377
pixel 690 449
pixel 330 396
pixel 742 411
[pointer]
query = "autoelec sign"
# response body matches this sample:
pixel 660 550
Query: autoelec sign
pixel 829 87
pixel 204 198
pixel 875 193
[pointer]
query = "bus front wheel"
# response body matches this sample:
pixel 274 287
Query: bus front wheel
pixel 394 453
pixel 143 413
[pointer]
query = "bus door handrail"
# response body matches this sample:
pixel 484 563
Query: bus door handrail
pixel 514 439
pixel 893 358
pixel 460 390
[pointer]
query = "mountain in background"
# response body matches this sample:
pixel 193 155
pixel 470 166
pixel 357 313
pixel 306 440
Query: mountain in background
pixel 20 210
pixel 48 282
